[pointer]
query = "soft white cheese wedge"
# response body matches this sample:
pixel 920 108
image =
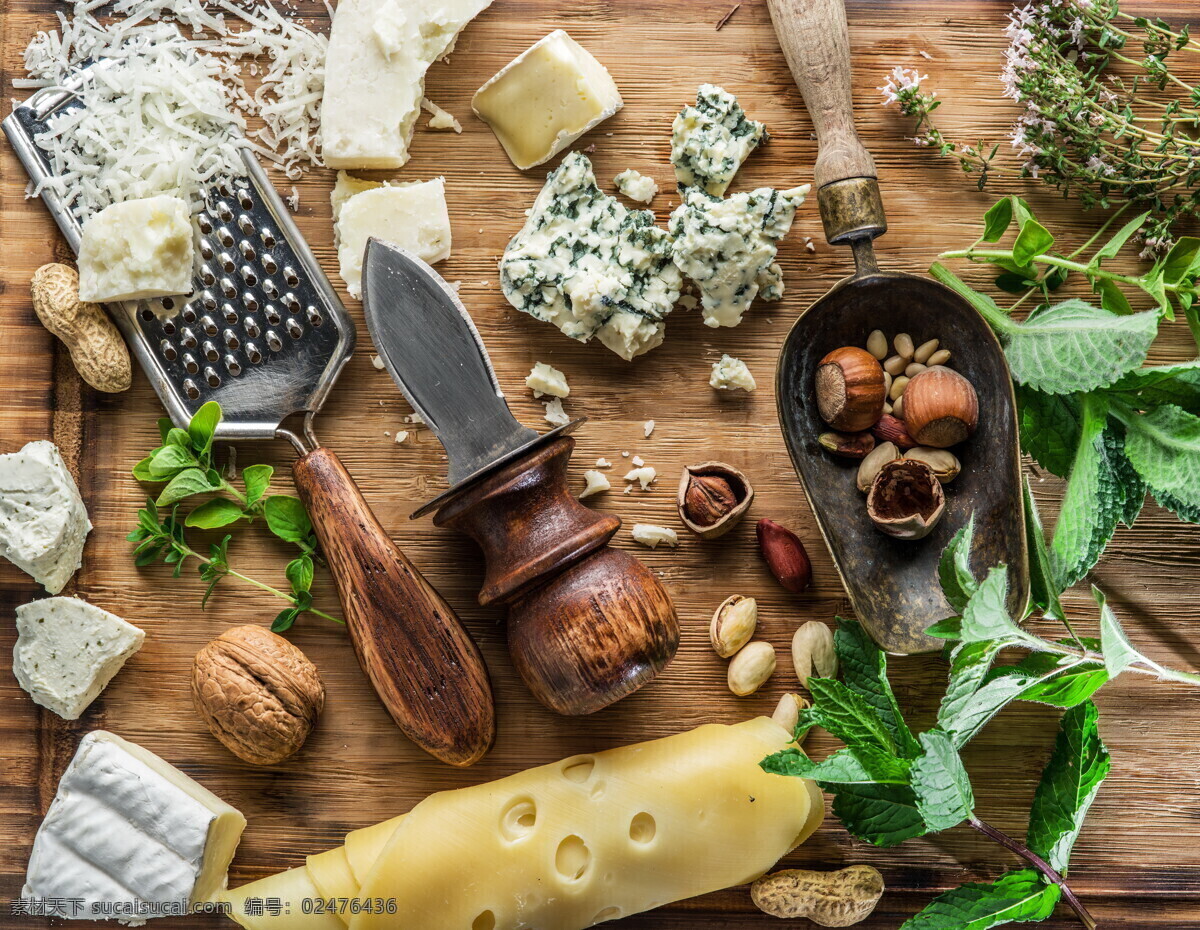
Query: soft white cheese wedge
pixel 379 51
pixel 43 522
pixel 546 98
pixel 130 836
pixel 68 650
pixel 139 248
pixel 411 215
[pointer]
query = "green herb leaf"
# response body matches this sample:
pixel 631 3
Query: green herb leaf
pixel 184 484
pixel 1033 240
pixel 973 710
pixel 1069 784
pixel 1114 245
pixel 214 513
pixel 299 573
pixel 169 461
pixel 1043 587
pixel 257 479
pixel 203 427
pixel 1064 682
pixel 1112 298
pixel 954 567
pixel 883 815
pixel 864 671
pixel 1154 387
pixel 287 519
pixel 991 311
pixel 178 437
pixel 164 429
pixel 284 619
pixel 1049 426
pixel 969 665
pixel 940 783
pixel 997 220
pixel 1164 446
pixel 1016 897
pixel 141 471
pixel 1180 259
pixel 854 765
pixel 1119 652
pixel 846 715
pixel 985 617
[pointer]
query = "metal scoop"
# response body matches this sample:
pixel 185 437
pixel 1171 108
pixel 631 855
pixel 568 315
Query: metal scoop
pixel 893 584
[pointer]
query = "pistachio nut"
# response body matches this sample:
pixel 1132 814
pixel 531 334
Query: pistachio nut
pixel 874 461
pixel 813 652
pixel 751 667
pixel 787 712
pixel 733 624
pixel 944 463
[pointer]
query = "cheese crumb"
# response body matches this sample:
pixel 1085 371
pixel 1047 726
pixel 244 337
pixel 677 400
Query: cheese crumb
pixel 688 302
pixel 648 534
pixel 401 435
pixel 139 248
pixel 731 374
pixel 555 413
pixel 636 186
pixel 415 418
pixel 545 379
pixel 643 476
pixel 638 461
pixel 377 362
pixel 648 427
pixel 603 463
pixel 440 119
pixel 596 484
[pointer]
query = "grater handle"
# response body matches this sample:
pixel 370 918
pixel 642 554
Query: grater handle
pixel 422 663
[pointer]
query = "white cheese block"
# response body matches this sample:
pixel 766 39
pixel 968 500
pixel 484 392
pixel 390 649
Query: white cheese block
pixel 43 523
pixel 130 836
pixel 68 650
pixel 710 141
pixel 728 247
pixel 731 374
pixel 590 266
pixel 546 98
pixel 412 215
pixel 636 186
pixel 546 379
pixel 379 51
pixel 139 248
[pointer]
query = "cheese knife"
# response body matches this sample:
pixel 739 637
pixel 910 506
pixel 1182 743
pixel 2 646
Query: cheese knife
pixel 587 624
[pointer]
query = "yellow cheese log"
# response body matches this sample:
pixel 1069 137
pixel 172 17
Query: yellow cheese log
pixel 364 846
pixel 289 889
pixel 330 872
pixel 595 838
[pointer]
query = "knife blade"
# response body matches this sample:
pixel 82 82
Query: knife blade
pixel 430 347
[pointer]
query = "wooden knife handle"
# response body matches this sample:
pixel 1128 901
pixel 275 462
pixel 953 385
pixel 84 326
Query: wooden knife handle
pixel 587 625
pixel 816 44
pixel 420 660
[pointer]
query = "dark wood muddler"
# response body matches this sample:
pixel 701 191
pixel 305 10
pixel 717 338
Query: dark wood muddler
pixel 422 663
pixel 587 625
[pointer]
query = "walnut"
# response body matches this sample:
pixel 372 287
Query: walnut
pixel 258 693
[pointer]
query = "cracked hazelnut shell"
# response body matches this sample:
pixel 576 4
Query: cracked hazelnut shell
pixel 906 499
pixel 703 501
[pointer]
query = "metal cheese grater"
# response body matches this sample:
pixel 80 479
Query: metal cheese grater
pixel 265 335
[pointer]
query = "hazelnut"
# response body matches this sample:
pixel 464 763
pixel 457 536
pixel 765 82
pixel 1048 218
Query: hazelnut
pixel 733 624
pixel 850 392
pixel 940 408
pixel 784 554
pixel 258 694
pixel 848 445
pixel 713 497
pixel 944 463
pixel 906 499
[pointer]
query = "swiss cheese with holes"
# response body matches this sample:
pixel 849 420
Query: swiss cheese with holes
pixel 567 845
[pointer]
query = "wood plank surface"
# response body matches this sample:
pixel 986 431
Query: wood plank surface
pixel 1138 861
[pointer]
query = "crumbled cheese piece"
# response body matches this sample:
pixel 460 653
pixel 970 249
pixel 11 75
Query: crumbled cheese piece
pixel 589 266
pixel 139 248
pixel 648 427
pixel 401 435
pixel 546 98
pixel 645 476
pixel 603 463
pixel 415 418
pixel 596 484
pixel 440 118
pixel 648 534
pixel 43 522
pixel 638 461
pixel 728 247
pixel 710 141
pixel 67 651
pixel 624 455
pixel 629 489
pixel 636 186
pixel 555 413
pixel 731 374
pixel 808 244
pixel 545 379
pixel 377 362
pixel 688 302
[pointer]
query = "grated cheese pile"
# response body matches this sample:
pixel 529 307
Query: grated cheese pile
pixel 167 115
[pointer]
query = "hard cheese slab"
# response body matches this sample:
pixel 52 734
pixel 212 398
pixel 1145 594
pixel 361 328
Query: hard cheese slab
pixel 1137 862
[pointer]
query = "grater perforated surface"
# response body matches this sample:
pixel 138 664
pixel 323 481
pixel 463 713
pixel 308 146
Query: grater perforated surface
pixel 263 332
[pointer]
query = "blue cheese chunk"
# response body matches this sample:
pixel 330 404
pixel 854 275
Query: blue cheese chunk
pixel 636 186
pixel 728 247
pixel 731 374
pixel 591 267
pixel 710 141
pixel 43 522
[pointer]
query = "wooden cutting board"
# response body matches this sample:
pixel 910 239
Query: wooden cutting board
pixel 1138 861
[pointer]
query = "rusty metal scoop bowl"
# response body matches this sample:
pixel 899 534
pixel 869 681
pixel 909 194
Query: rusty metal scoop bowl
pixel 893 584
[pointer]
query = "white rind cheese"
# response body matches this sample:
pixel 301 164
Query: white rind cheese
pixel 130 836
pixel 546 379
pixel 412 215
pixel 43 522
pixel 728 247
pixel 379 51
pixel 546 98
pixel 636 186
pixel 731 374
pixel 591 267
pixel 139 248
pixel 710 141
pixel 68 650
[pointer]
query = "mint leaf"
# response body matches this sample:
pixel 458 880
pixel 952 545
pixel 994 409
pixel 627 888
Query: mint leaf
pixel 164 429
pixel 178 437
pixel 985 616
pixel 954 567
pixel 214 513
pixel 987 308
pixel 1164 446
pixel 185 484
pixel 997 220
pixel 1060 681
pixel 940 783
pixel 1016 897
pixel 1043 587
pixel 846 715
pixel 141 471
pixel 969 666
pixel 1074 347
pixel 1068 787
pixel 1177 261
pixel 1153 387
pixel 854 765
pixel 1033 240
pixel 287 519
pixel 1049 425
pixel 864 670
pixel 1112 298
pixel 973 711
pixel 1119 652
pixel 203 427
pixel 299 573
pixel 257 479
pixel 883 815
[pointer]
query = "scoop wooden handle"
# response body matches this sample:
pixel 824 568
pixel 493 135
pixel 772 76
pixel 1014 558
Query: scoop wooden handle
pixel 816 44
pixel 422 663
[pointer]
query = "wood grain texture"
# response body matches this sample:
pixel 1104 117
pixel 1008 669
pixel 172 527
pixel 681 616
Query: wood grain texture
pixel 1137 863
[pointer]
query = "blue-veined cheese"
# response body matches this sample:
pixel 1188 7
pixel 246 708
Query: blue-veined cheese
pixel 43 522
pixel 636 186
pixel 68 650
pixel 731 374
pixel 130 836
pixel 727 246
pixel 590 266
pixel 546 379
pixel 709 141
pixel 135 249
